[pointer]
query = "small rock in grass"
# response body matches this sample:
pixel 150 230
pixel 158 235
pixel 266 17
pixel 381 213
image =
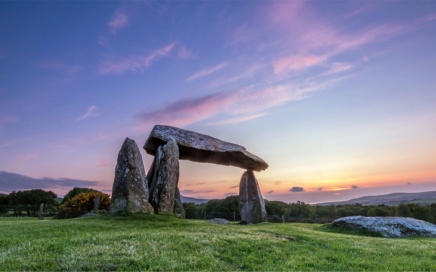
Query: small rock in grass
pixel 219 221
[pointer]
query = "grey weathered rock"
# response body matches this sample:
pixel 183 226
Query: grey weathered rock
pixel 164 177
pixel 130 190
pixel 40 213
pixel 390 227
pixel 251 203
pixel 96 203
pixel 203 148
pixel 219 221
pixel 178 205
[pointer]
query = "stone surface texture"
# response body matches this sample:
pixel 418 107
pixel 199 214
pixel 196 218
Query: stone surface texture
pixel 164 177
pixel 178 205
pixel 203 148
pixel 130 190
pixel 251 203
pixel 40 213
pixel 389 227
pixel 219 221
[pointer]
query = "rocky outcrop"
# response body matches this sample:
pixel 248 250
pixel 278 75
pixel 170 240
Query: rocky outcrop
pixel 164 177
pixel 203 148
pixel 390 227
pixel 251 203
pixel 130 190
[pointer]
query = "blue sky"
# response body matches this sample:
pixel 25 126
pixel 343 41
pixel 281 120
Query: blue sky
pixel 338 97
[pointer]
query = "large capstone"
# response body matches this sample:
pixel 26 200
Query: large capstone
pixel 389 227
pixel 163 177
pixel 130 189
pixel 251 203
pixel 203 148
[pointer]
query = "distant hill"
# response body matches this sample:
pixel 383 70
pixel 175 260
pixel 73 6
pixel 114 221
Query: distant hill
pixel 3 194
pixel 390 199
pixel 193 200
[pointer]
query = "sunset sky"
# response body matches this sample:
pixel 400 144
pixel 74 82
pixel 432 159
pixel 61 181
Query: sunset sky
pixel 338 97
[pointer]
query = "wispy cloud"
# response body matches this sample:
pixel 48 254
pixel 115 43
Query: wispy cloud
pixel 320 189
pixel 270 192
pixel 11 181
pixel 207 71
pixel 236 119
pixel 6 119
pixel 354 187
pixel 233 187
pixel 89 113
pixel 7 144
pixel 196 192
pixel 118 21
pixel 239 106
pixel 184 53
pixel 230 194
pixel 111 66
pixel 298 62
pixel 24 158
pixel 104 163
pixel 338 67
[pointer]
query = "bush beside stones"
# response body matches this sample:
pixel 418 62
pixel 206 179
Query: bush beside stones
pixel 81 204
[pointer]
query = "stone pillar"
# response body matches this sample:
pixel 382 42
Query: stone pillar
pixel 130 189
pixel 96 203
pixel 251 203
pixel 163 178
pixel 40 213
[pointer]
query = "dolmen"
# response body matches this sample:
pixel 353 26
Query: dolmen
pixel 158 192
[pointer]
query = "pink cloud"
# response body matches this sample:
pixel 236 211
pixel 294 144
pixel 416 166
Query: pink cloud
pixel 187 111
pixel 236 119
pixel 104 163
pixel 6 120
pixel 7 144
pixel 184 53
pixel 249 102
pixel 24 158
pixel 118 21
pixel 134 63
pixel 338 67
pixel 298 62
pixel 89 113
pixel 207 71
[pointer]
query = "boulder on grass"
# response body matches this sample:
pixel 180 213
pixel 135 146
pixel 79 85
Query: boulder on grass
pixel 389 227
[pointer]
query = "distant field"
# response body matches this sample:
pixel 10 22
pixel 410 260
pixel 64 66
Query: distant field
pixel 151 242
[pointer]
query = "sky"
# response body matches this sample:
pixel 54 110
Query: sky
pixel 338 97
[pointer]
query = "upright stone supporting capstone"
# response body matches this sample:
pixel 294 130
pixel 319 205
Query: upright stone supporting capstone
pixel 40 213
pixel 130 189
pixel 251 203
pixel 164 177
pixel 178 205
pixel 96 204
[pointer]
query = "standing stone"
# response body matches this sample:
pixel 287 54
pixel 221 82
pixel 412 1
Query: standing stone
pixel 40 213
pixel 96 203
pixel 164 177
pixel 130 189
pixel 178 205
pixel 251 203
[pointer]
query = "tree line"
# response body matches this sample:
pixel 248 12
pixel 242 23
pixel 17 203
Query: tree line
pixel 301 212
pixel 27 203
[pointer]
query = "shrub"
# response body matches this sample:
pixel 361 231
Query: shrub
pixel 76 191
pixel 81 204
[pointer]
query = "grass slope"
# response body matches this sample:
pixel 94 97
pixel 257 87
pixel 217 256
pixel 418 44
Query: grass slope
pixel 151 242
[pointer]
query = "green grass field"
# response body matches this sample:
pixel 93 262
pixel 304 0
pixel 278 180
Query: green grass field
pixel 151 242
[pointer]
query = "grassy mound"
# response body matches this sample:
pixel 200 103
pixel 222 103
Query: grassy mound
pixel 163 242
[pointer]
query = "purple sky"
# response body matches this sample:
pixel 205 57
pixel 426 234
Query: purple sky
pixel 337 96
